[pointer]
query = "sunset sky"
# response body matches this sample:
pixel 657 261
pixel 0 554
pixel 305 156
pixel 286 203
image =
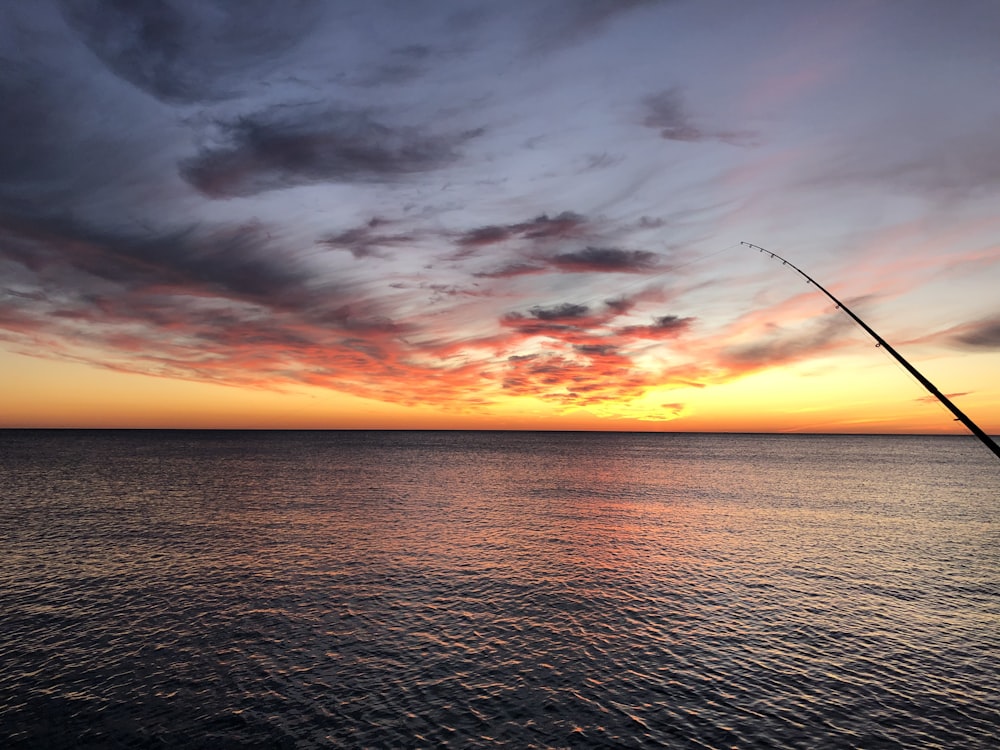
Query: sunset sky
pixel 517 215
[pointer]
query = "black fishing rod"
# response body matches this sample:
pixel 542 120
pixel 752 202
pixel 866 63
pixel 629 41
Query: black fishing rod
pixel 959 414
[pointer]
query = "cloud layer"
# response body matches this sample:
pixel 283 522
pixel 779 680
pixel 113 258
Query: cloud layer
pixel 440 204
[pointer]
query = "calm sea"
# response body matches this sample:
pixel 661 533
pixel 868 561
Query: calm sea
pixel 449 589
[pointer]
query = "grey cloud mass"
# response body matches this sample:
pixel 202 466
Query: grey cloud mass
pixel 564 225
pixel 605 259
pixel 237 261
pixel 984 334
pixel 565 311
pixel 289 146
pixel 368 239
pixel 787 347
pixel 667 112
pixel 185 51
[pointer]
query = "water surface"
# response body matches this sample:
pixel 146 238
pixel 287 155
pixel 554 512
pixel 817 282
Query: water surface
pixel 425 589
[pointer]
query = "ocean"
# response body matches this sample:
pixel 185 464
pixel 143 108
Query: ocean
pixel 182 589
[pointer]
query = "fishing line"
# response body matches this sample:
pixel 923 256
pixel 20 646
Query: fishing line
pixel 913 380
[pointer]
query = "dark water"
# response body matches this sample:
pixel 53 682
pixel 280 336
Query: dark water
pixel 310 590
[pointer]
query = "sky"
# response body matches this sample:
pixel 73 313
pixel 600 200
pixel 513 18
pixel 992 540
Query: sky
pixel 424 214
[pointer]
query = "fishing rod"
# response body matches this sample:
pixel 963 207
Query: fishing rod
pixel 959 414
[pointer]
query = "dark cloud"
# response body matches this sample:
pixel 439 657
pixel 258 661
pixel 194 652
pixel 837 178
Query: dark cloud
pixel 30 123
pixel 559 321
pixel 512 270
pixel 783 347
pixel 190 51
pixel 620 305
pixel 594 162
pixel 604 260
pixel 50 151
pixel 667 113
pixel 565 311
pixel 604 160
pixel 368 239
pixel 565 225
pixel 224 304
pixel 588 260
pixel 647 222
pixel 535 239
pixel 289 146
pixel 665 326
pixel 983 334
pixel 488 235
pixel 597 350
pixel 234 261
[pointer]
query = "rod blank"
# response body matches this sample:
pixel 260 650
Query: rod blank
pixel 959 414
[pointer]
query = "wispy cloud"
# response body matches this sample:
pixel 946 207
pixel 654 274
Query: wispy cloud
pixel 369 239
pixel 667 113
pixel 563 226
pixel 604 260
pixel 300 145
pixel 980 334
pixel 821 336
pixel 663 327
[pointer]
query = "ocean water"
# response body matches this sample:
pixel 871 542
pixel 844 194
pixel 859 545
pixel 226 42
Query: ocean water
pixel 524 590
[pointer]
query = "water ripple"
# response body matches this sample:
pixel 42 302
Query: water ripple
pixel 421 590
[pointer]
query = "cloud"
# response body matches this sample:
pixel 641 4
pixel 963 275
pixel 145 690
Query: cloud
pixel 581 361
pixel 958 166
pixel 565 311
pixel 580 377
pixel 225 305
pixel 663 327
pixel 982 334
pixel 233 304
pixel 512 270
pixel 782 348
pixel 564 225
pixel 566 22
pixel 193 51
pixel 288 146
pixel 666 112
pixel 366 240
pixel 29 124
pixel 603 160
pixel 936 400
pixel 536 239
pixel 235 261
pixel 604 260
pixel 588 260
pixel 551 321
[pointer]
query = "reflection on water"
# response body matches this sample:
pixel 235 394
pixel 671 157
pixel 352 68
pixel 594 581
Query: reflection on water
pixel 466 590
